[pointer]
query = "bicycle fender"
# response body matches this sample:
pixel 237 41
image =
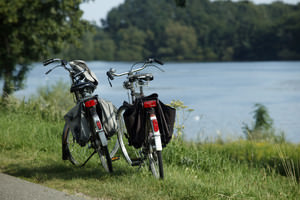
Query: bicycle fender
pixel 156 133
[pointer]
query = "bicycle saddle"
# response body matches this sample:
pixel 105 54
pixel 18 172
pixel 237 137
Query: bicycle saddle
pixel 82 85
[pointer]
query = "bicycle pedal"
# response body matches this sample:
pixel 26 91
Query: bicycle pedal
pixel 115 158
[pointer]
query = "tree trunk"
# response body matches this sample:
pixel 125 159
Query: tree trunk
pixel 8 87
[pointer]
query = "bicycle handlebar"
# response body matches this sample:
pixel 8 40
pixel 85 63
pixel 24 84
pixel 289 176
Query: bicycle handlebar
pixel 111 73
pixel 151 60
pixel 63 63
pixel 52 60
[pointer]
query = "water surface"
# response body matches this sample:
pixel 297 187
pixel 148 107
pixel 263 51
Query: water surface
pixel 222 94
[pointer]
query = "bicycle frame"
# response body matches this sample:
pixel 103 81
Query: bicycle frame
pixel 151 147
pixel 83 91
pixel 149 108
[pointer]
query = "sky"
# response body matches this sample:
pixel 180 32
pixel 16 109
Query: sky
pixel 98 9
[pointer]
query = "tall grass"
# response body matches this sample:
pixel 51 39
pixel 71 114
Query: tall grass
pixel 30 148
pixel 50 103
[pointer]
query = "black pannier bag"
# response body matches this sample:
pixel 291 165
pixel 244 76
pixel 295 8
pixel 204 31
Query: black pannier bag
pixel 78 124
pixel 135 122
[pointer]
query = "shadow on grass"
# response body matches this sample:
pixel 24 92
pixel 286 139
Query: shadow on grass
pixel 64 171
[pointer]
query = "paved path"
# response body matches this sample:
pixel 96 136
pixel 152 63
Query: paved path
pixel 12 188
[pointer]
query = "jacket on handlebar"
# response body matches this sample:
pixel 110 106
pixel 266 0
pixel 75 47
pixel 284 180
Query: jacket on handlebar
pixel 80 65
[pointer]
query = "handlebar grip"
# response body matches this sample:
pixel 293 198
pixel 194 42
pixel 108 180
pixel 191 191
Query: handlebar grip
pixel 109 75
pixel 158 61
pixel 47 62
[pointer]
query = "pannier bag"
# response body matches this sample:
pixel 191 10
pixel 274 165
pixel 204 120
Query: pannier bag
pixel 135 122
pixel 80 127
pixel 108 116
pixel 78 124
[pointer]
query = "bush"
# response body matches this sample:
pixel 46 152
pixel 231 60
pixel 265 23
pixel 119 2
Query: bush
pixel 262 129
pixel 51 103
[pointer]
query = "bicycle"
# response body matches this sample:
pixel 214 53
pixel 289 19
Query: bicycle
pixel 144 142
pixel 83 132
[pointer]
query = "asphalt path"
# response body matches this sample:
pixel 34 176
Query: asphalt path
pixel 12 188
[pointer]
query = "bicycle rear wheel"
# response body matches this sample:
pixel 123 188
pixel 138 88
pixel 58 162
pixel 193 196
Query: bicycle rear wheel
pixel 156 164
pixel 132 155
pixel 72 151
pixel 105 158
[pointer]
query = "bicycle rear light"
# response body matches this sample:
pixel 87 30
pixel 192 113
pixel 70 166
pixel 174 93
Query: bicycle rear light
pixel 90 103
pixel 150 104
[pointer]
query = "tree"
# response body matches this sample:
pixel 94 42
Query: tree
pixel 180 42
pixel 180 3
pixel 130 43
pixel 30 30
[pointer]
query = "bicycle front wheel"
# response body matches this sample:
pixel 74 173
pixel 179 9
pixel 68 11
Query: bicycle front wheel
pixel 72 151
pixel 132 155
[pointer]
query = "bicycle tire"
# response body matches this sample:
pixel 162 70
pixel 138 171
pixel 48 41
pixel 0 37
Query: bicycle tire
pixel 115 149
pixel 156 164
pixel 72 151
pixel 130 154
pixel 105 158
pixel 154 155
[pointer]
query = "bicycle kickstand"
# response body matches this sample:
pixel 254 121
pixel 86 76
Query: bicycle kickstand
pixel 88 159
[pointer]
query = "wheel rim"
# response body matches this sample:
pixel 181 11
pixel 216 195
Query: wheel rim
pixel 78 154
pixel 129 152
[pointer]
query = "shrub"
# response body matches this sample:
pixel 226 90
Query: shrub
pixel 262 129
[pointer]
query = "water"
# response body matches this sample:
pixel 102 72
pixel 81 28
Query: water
pixel 222 94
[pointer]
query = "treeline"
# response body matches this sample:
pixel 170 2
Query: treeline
pixel 201 31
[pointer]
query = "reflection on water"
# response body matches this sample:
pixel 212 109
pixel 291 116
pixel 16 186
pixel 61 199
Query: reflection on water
pixel 222 94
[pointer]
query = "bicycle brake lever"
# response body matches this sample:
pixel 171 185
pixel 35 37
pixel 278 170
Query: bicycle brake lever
pixel 48 71
pixel 158 61
pixel 109 81
pixel 158 68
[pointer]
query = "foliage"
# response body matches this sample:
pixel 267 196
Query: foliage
pixel 180 3
pixel 282 158
pixel 51 103
pixel 262 129
pixel 181 117
pixel 30 29
pixel 202 30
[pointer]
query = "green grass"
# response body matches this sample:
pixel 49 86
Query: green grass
pixel 30 148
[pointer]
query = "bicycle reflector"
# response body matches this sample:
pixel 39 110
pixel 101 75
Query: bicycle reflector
pixel 90 103
pixel 99 125
pixel 150 104
pixel 154 123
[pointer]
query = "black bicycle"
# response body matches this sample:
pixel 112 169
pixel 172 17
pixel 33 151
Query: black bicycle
pixel 145 123
pixel 83 133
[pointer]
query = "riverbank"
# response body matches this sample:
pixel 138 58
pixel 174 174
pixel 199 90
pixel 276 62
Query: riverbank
pixel 30 148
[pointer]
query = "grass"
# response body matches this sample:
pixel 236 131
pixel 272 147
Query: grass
pixel 30 148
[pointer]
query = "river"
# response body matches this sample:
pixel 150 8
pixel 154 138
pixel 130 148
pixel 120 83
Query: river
pixel 222 94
